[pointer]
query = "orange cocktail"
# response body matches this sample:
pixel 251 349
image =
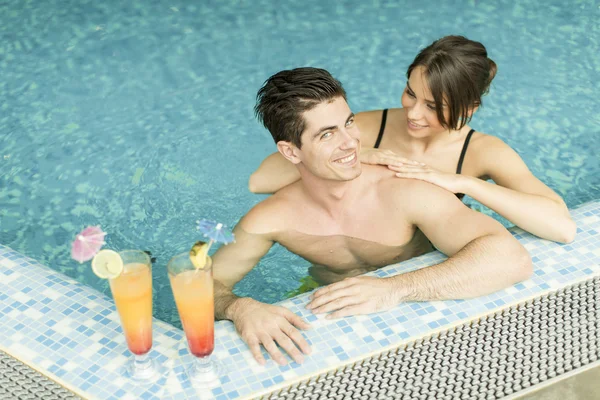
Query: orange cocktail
pixel 193 291
pixel 132 291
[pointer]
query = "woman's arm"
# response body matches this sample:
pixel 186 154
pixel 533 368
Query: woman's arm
pixel 273 173
pixel 518 195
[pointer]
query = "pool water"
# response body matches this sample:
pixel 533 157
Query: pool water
pixel 138 116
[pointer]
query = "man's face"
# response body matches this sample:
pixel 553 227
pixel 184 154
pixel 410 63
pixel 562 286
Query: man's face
pixel 331 142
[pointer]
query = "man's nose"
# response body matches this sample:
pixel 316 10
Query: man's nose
pixel 350 140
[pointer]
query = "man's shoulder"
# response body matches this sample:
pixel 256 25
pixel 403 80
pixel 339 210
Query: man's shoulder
pixel 412 191
pixel 270 214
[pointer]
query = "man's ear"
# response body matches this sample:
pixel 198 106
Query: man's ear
pixel 289 151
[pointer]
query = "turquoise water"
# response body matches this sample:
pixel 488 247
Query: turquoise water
pixel 138 116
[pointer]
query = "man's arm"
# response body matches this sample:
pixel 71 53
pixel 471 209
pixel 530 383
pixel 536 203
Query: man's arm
pixel 483 258
pixel 257 323
pixel 231 263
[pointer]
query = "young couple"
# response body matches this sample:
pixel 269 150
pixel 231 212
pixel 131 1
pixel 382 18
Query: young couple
pixel 354 193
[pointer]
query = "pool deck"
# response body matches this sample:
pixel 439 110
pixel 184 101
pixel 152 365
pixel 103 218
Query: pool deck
pixel 71 333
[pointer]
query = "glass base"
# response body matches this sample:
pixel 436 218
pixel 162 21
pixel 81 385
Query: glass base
pixel 143 369
pixel 204 373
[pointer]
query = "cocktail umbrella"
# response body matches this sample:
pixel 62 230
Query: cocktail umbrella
pixel 87 243
pixel 215 232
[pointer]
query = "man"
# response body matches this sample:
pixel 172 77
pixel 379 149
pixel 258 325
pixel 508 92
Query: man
pixel 348 219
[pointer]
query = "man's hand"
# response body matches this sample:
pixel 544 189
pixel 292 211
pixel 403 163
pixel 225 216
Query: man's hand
pixel 358 295
pixel 265 324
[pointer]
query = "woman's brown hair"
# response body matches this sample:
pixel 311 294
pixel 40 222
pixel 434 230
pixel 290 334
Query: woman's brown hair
pixel 458 72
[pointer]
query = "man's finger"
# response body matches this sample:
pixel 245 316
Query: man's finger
pixel 254 346
pixel 331 288
pixel 336 304
pixel 297 321
pixel 271 347
pixel 346 288
pixel 297 337
pixel 286 343
pixel 347 311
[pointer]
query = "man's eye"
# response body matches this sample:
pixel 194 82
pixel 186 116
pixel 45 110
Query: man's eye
pixel 326 135
pixel 350 122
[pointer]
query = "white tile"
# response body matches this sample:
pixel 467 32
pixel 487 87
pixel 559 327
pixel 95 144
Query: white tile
pixel 70 366
pixel 45 364
pixel 23 352
pixel 33 314
pixel 115 363
pixel 511 290
pixel 17 337
pixel 8 264
pixel 589 220
pixel 12 277
pixel 434 316
pixel 20 296
pixel 91 351
pixel 378 335
pixel 51 293
pixel 120 381
pixel 64 326
pixel 172 385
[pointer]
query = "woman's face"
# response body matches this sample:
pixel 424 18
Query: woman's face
pixel 420 108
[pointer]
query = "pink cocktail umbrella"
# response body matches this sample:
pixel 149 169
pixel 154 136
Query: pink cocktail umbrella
pixel 87 243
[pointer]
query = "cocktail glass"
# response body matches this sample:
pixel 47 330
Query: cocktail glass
pixel 132 292
pixel 193 292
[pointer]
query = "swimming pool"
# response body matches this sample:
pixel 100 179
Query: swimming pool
pixel 138 116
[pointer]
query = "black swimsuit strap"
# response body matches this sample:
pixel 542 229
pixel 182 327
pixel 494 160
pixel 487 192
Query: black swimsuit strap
pixel 382 129
pixel 464 151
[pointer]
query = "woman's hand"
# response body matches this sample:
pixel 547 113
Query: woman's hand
pixel 384 157
pixel 451 182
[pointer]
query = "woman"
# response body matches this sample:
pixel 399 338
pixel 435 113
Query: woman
pixel 429 139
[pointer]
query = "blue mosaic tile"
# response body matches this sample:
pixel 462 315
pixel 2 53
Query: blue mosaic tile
pixel 70 330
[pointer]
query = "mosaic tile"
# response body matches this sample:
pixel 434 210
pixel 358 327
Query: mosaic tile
pixel 73 333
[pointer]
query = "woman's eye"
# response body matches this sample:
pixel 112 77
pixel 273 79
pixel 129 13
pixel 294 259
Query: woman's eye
pixel 431 107
pixel 410 94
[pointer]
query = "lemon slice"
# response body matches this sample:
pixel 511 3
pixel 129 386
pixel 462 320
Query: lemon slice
pixel 199 254
pixel 107 264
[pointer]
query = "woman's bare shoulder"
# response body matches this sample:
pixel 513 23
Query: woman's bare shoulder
pixel 484 144
pixel 369 123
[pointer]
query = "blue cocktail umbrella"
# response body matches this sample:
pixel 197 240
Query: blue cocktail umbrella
pixel 215 232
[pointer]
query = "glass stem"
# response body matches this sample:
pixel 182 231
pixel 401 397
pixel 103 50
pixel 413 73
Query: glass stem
pixel 202 364
pixel 141 362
